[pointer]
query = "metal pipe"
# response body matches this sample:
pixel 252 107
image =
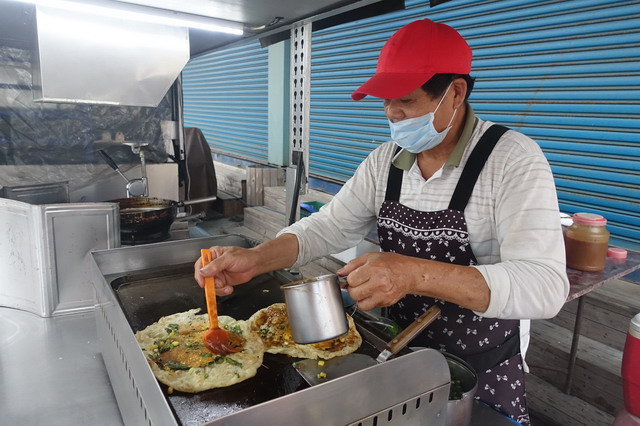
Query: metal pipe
pixel 143 167
pixel 574 346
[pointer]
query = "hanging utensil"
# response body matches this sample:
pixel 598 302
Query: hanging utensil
pixel 135 187
pixel 318 371
pixel 216 339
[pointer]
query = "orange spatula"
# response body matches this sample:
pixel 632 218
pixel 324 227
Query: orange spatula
pixel 215 339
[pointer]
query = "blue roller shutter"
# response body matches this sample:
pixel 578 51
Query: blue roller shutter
pixel 566 73
pixel 225 95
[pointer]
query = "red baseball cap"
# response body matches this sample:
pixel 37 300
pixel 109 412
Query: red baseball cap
pixel 414 54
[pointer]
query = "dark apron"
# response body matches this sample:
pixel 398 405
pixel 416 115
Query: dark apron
pixel 491 346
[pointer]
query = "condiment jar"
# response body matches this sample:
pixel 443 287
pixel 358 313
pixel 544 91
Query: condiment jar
pixel 586 242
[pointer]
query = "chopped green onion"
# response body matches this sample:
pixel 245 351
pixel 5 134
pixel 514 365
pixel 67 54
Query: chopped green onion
pixel 233 362
pixel 175 365
pixel 172 328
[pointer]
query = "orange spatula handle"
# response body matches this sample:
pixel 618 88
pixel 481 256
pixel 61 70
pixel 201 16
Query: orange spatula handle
pixel 210 291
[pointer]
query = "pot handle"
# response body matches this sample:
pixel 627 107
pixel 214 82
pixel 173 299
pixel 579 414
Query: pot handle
pixel 196 201
pixel 342 282
pixel 413 329
pixel 197 216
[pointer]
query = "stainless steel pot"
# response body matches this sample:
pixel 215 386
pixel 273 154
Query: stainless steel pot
pixel 315 309
pixel 459 410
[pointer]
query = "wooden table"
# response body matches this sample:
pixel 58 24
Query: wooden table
pixel 582 283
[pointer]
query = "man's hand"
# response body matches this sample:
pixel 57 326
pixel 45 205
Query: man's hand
pixel 230 266
pixel 378 279
pixel 235 265
pixel 382 279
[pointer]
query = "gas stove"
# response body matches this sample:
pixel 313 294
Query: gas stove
pixel 178 231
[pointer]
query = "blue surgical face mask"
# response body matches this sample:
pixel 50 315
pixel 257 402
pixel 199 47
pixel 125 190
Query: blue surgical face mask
pixel 418 134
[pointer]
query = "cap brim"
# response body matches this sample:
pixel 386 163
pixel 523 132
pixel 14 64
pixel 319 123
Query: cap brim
pixel 391 85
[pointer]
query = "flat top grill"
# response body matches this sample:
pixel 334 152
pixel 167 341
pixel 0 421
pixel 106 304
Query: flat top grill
pixel 146 296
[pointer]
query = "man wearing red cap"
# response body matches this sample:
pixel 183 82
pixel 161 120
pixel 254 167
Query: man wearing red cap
pixel 467 218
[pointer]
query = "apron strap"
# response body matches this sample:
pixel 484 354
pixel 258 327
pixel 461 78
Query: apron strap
pixel 474 166
pixel 394 182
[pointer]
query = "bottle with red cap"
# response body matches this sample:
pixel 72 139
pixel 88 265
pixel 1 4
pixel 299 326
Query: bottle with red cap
pixel 631 368
pixel 586 242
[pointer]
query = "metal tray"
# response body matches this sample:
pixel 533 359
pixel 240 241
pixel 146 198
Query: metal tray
pixel 145 296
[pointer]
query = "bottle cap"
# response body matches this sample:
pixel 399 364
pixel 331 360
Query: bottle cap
pixel 617 253
pixel 634 327
pixel 589 219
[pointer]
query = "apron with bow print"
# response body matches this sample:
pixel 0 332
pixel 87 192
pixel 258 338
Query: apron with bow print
pixel 490 346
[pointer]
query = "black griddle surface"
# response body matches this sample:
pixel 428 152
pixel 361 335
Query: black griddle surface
pixel 147 296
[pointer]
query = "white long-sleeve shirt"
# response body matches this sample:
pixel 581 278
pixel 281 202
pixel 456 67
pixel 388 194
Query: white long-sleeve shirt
pixel 512 218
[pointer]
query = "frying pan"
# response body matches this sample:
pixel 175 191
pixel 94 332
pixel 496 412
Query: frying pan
pixel 148 219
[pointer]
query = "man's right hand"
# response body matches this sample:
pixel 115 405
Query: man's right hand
pixel 235 265
pixel 230 266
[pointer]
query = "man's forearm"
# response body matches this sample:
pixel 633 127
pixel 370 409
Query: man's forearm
pixel 281 252
pixel 457 284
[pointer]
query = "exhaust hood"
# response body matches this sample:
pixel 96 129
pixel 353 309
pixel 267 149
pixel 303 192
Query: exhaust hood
pixel 82 57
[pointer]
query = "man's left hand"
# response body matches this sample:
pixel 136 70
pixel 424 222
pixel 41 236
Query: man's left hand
pixel 379 279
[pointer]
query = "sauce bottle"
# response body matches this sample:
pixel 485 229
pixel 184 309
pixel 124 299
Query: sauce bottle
pixel 586 242
pixel 631 368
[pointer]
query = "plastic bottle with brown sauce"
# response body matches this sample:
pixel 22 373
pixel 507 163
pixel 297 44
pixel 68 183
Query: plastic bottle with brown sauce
pixel 586 242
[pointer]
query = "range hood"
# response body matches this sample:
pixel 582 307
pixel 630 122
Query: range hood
pixel 88 58
pixel 83 57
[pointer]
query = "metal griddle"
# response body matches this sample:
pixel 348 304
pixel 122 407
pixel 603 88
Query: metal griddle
pixel 137 285
pixel 146 296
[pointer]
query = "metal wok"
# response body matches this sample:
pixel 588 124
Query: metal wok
pixel 147 219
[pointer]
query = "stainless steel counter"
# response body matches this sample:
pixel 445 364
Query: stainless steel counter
pixel 52 373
